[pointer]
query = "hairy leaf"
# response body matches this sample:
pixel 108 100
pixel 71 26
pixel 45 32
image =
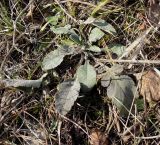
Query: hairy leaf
pixel 117 69
pixel 18 83
pixel 94 48
pixel 120 89
pixel 52 60
pixel 96 34
pixel 117 49
pixel 53 20
pixel 66 96
pixel 66 50
pixel 75 38
pixel 104 26
pixel 61 30
pixel 86 75
pixel 89 20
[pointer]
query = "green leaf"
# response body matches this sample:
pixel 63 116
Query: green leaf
pixel 66 50
pixel 89 20
pixel 52 60
pixel 94 48
pixel 66 96
pixel 21 83
pixel 117 48
pixel 53 20
pixel 96 34
pixel 117 69
pixel 86 75
pixel 67 42
pixel 121 90
pixel 104 26
pixel 75 38
pixel 61 30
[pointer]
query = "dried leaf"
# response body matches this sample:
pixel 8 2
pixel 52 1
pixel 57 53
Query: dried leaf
pixel 142 26
pixel 66 96
pixel 150 86
pixel 32 140
pixel 98 138
pixel 31 9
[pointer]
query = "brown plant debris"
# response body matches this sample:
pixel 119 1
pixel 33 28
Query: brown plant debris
pixel 150 86
pixel 98 138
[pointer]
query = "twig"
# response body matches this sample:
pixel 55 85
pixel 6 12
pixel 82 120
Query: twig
pixel 136 42
pixel 131 61
pixel 139 40
pixel 81 2
pixel 59 132
pixel 149 137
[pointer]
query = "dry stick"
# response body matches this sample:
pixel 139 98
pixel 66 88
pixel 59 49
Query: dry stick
pixel 149 137
pixel 139 40
pixel 59 132
pixel 81 2
pixel 131 61
pixel 136 42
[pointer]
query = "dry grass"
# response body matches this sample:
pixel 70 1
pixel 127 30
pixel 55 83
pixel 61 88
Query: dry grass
pixel 30 117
